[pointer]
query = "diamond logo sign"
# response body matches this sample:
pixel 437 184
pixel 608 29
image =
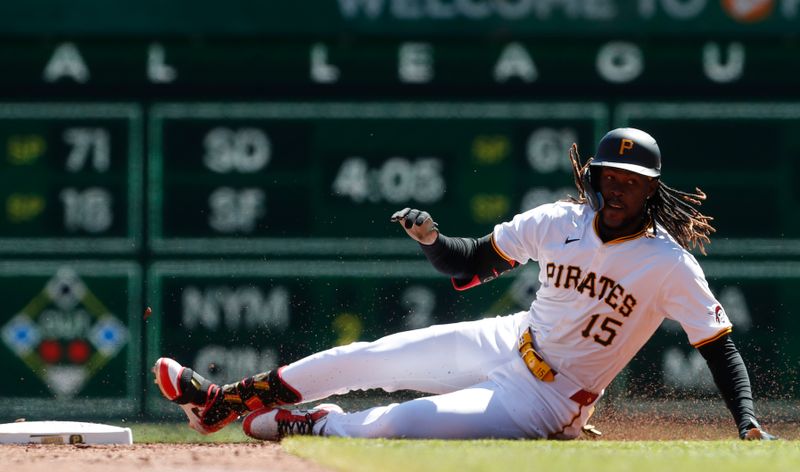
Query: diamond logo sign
pixel 65 335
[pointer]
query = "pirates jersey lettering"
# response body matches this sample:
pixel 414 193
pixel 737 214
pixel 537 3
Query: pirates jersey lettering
pixel 611 292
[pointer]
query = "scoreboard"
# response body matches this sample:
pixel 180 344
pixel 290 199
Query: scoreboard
pixel 235 168
pixel 320 178
pixel 71 178
pixel 286 195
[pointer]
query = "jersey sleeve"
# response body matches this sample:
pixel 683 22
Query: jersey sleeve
pixel 687 299
pixel 518 239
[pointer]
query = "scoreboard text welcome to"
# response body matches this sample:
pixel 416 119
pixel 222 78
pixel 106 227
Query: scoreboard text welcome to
pixel 398 17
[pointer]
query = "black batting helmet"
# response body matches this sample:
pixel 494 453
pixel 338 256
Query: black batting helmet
pixel 630 149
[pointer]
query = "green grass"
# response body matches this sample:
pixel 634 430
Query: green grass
pixel 181 433
pixel 547 456
pixel 356 455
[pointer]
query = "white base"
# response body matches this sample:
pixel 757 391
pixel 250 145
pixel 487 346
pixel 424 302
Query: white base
pixel 63 432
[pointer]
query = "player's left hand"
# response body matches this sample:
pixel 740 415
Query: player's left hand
pixel 757 434
pixel 419 225
pixel 753 432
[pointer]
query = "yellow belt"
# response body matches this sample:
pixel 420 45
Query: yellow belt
pixel 542 371
pixel 536 363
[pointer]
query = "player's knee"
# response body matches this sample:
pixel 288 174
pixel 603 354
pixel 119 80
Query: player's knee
pixel 406 420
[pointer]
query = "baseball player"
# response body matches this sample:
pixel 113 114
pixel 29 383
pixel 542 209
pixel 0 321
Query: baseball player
pixel 614 263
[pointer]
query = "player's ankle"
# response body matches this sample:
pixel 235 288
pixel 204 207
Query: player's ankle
pixel 264 390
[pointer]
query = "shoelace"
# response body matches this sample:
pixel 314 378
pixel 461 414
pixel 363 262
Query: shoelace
pixel 295 426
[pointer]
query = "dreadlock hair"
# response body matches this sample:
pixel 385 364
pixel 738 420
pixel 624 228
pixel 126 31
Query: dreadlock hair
pixel 673 209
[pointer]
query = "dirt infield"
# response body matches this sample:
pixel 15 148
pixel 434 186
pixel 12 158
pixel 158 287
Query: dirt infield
pixel 240 457
pixel 688 420
pixel 664 429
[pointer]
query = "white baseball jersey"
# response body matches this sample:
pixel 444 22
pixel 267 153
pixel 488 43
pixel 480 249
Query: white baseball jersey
pixel 598 302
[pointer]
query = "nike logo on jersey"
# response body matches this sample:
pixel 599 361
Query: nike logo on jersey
pixel 567 241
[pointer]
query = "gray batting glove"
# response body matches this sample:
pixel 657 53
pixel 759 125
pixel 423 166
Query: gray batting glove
pixel 419 225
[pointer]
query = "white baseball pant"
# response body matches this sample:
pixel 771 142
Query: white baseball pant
pixel 483 388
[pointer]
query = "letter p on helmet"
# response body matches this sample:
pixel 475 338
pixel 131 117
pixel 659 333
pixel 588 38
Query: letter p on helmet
pixel 624 145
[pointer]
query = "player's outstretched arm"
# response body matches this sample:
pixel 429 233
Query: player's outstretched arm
pixel 730 376
pixel 468 261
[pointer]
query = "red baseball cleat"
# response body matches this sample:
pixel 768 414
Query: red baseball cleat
pixel 202 401
pixel 273 424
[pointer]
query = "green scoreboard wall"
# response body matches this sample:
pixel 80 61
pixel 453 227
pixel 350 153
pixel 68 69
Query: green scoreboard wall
pixel 236 168
pixel 321 178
